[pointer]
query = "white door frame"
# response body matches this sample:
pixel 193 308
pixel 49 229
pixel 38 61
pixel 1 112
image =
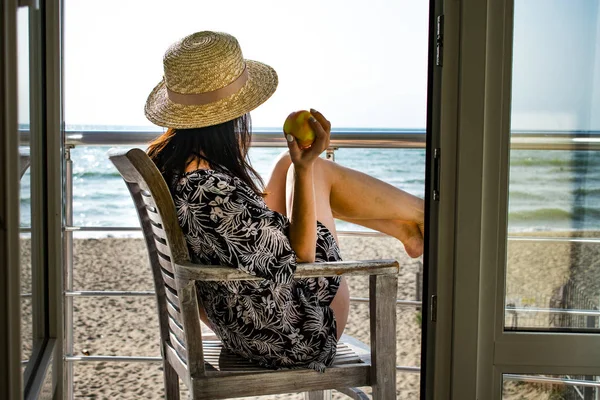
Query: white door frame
pixel 481 350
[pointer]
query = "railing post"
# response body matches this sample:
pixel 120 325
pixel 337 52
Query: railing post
pixel 68 274
pixel 330 153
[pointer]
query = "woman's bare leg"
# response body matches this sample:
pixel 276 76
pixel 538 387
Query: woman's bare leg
pixel 357 195
pixel 409 233
pixel 360 199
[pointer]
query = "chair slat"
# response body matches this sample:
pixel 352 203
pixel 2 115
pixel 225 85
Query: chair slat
pixel 172 296
pixel 148 199
pixel 174 313
pixel 163 248
pixel 168 278
pixel 176 329
pixel 177 363
pixel 153 215
pixel 346 361
pixel 223 360
pixel 158 231
pixel 166 264
pixel 179 347
pixel 226 385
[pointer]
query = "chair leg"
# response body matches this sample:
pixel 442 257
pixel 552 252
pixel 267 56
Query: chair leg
pixel 171 382
pixel 382 302
pixel 318 395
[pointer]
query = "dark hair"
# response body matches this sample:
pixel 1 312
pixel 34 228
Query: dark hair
pixel 223 145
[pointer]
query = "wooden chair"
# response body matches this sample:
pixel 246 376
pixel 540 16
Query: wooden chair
pixel 210 371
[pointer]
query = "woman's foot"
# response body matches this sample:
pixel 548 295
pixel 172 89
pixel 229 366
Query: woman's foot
pixel 410 234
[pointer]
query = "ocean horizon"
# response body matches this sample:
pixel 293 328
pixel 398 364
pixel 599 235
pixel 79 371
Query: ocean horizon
pixel 549 190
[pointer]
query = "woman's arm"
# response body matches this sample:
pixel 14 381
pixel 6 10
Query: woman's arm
pixel 302 212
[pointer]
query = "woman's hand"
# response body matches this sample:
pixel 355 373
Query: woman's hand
pixel 304 158
pixel 302 209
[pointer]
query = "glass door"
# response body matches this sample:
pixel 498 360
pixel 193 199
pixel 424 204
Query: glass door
pixel 552 277
pixel 526 283
pixel 526 219
pixel 31 205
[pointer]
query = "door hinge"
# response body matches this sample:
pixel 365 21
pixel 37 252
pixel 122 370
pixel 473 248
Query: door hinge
pixel 439 41
pixel 437 163
pixel 433 307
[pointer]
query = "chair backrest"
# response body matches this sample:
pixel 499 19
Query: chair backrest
pixel 166 247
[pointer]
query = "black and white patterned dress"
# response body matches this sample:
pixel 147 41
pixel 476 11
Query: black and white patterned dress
pixel 278 322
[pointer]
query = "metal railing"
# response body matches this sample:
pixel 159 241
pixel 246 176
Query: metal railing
pixel 353 139
pixel 347 138
pixel 405 139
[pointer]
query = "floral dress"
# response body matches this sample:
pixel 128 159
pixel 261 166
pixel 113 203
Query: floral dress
pixel 277 321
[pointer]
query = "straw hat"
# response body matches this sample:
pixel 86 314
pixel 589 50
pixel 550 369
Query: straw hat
pixel 207 82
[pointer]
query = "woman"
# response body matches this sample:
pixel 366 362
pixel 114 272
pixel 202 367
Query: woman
pixel 230 218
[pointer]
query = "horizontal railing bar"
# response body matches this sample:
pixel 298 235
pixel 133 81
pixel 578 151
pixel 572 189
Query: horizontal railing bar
pixel 410 370
pixel 112 359
pixel 408 303
pixel 594 313
pixel 414 303
pixel 371 138
pixel 556 239
pixel 346 233
pixel 102 228
pixel 547 379
pixel 137 228
pixel 159 359
pixel 109 293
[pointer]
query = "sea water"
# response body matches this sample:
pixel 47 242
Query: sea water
pixel 549 190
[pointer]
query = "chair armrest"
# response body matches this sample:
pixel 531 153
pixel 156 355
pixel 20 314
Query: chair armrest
pixel 197 272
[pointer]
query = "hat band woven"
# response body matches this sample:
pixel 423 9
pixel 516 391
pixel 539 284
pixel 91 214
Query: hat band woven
pixel 198 99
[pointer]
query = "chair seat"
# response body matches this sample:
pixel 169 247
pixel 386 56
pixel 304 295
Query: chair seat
pixel 230 376
pixel 217 358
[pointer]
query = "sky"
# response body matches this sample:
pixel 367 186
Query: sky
pixel 362 63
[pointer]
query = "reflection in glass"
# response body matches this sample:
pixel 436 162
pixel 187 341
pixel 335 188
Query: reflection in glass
pixel 553 275
pixel 25 194
pixel 550 387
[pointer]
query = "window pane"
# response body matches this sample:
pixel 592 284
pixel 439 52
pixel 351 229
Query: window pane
pixel 552 280
pixel 550 387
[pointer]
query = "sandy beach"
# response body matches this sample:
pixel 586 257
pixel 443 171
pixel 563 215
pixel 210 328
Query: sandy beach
pixel 129 326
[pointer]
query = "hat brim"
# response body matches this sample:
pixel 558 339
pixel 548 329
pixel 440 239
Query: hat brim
pixel 261 84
